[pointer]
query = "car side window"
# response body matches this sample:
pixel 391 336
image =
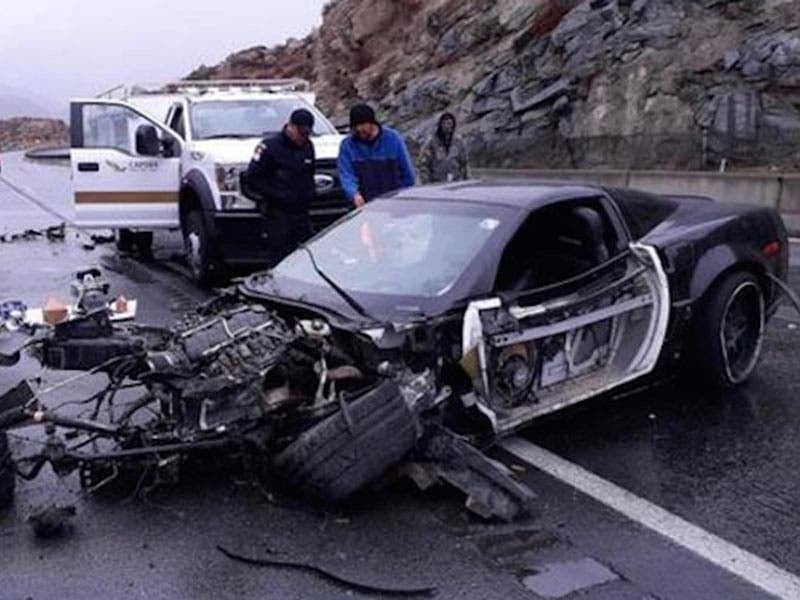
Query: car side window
pixel 556 243
pixel 111 126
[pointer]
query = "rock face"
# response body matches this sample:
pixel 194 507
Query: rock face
pixel 24 133
pixel 563 83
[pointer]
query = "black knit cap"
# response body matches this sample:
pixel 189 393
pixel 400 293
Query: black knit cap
pixel 302 118
pixel 362 113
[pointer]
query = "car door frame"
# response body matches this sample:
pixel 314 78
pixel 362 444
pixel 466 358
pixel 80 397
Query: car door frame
pixel 476 340
pixel 113 188
pixel 184 106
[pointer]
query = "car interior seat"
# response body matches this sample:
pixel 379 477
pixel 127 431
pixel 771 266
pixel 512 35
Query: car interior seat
pixel 560 246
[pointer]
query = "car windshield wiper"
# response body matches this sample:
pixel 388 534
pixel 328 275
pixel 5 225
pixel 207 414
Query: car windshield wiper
pixel 339 290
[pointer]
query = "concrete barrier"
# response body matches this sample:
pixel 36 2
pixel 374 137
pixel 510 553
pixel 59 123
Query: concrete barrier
pixel 776 190
pixel 789 203
pixel 761 190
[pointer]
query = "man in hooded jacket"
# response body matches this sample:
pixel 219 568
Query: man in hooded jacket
pixel 444 155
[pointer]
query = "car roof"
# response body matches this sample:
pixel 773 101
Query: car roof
pixel 527 194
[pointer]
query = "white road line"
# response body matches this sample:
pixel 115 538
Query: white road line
pixel 759 572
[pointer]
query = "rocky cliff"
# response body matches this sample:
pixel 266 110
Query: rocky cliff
pixel 563 83
pixel 24 133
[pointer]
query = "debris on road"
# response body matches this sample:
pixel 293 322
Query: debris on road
pixel 90 291
pixel 57 233
pixel 52 520
pixel 350 584
pixel 54 233
pixel 237 379
pixel 490 487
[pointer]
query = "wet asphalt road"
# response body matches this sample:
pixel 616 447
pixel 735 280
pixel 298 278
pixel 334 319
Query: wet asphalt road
pixel 727 463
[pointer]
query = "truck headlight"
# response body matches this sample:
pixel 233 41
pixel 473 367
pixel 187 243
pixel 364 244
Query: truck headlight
pixel 229 187
pixel 227 177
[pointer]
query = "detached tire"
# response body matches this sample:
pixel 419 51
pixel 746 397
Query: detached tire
pixel 198 249
pixel 7 477
pixel 344 453
pixel 729 330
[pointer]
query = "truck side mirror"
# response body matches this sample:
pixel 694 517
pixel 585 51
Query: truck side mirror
pixel 170 147
pixel 147 142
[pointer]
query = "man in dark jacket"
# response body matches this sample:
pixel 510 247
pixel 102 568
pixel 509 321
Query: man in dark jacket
pixel 280 178
pixel 373 159
pixel 444 155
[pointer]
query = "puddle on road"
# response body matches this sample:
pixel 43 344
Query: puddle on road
pixel 511 545
pixel 557 580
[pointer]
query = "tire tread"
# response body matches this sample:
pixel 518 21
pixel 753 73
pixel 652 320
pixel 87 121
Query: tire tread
pixel 332 462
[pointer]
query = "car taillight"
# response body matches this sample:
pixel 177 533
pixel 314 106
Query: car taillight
pixel 771 250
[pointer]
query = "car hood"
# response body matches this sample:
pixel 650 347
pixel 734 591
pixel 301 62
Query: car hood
pixel 319 297
pixel 241 150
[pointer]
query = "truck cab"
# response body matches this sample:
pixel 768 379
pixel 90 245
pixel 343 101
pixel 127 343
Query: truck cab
pixel 172 159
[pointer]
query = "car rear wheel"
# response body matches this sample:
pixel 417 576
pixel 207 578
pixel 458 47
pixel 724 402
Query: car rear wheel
pixel 198 249
pixel 7 477
pixel 730 330
pixel 352 448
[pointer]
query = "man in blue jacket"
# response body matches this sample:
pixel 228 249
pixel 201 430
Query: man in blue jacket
pixel 373 159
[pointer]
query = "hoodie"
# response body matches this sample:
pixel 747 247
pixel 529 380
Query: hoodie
pixel 444 158
pixel 377 167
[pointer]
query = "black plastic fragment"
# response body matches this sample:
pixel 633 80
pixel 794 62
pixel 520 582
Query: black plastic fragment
pixel 357 586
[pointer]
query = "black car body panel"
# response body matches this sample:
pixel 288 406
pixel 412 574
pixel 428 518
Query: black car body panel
pixel 698 239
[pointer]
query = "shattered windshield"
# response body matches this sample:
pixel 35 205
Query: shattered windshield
pixel 249 118
pixel 408 248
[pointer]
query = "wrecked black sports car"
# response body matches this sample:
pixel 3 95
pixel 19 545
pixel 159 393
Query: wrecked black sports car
pixel 417 330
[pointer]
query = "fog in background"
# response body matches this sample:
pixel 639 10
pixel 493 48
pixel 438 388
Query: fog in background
pixel 53 50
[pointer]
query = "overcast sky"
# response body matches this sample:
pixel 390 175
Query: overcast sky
pixel 51 50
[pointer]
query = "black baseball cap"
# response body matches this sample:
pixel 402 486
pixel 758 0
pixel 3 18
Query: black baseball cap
pixel 302 118
pixel 362 113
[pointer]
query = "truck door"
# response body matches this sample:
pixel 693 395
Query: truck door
pixel 125 167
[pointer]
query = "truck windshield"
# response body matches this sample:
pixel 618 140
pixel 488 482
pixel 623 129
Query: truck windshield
pixel 249 118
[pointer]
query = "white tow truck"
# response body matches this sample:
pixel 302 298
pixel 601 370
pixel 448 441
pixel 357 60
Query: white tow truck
pixel 171 157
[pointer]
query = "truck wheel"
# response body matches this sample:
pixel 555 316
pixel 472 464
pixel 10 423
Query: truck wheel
pixel 729 330
pixel 347 451
pixel 7 477
pixel 198 249
pixel 144 243
pixel 125 240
